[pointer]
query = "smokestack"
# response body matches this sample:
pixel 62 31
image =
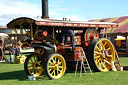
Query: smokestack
pixel 45 9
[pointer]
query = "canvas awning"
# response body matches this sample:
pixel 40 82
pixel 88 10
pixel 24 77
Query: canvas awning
pixel 50 22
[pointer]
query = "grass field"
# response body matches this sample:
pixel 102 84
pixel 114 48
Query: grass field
pixel 13 74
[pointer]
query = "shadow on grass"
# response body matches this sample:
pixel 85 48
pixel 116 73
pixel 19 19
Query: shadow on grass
pixel 20 75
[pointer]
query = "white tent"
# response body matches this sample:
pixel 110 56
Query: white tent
pixel 3 35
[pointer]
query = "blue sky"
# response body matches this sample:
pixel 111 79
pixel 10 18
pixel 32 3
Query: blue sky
pixel 73 9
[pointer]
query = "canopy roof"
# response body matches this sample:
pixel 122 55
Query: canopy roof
pixel 122 23
pixel 50 22
pixel 25 23
pixel 21 21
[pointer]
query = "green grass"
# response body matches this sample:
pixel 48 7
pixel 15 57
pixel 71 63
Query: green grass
pixel 13 74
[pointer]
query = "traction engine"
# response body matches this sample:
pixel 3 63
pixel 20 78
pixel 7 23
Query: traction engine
pixel 51 57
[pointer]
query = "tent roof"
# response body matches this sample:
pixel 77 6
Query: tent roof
pixel 122 23
pixel 3 27
pixel 3 35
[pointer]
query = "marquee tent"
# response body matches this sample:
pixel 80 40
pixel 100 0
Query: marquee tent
pixel 122 23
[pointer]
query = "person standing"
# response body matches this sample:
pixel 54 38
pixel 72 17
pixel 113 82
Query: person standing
pixel 11 53
pixel 19 50
pixel 16 51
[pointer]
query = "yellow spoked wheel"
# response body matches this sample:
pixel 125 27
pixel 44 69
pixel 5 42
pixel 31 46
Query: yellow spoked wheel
pixel 101 54
pixel 55 66
pixel 33 65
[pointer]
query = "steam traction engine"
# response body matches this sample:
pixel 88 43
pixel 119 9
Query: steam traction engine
pixel 51 57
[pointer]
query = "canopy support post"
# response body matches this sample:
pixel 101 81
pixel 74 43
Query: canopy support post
pixel 31 32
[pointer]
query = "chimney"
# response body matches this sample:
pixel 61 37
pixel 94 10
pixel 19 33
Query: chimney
pixel 45 9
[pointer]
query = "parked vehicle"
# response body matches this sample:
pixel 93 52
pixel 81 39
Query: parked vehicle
pixel 50 56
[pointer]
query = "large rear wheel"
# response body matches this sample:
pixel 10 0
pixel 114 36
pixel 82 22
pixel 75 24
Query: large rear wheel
pixel 55 66
pixel 33 65
pixel 100 54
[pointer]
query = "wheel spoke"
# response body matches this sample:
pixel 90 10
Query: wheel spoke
pixel 104 44
pixel 98 48
pixel 34 58
pixel 101 45
pixel 109 56
pixel 50 62
pixel 49 70
pixel 36 69
pixel 97 56
pixel 29 66
pixel 31 70
pixel 104 65
pixel 31 61
pixel 59 62
pixel 51 66
pixel 60 66
pixel 109 48
pixel 59 71
pixel 53 71
pixel 53 60
pixel 100 63
pixel 97 60
pixel 107 61
pixel 97 52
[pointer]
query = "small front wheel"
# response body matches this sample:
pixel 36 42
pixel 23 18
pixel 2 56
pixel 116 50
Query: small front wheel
pixel 55 66
pixel 33 65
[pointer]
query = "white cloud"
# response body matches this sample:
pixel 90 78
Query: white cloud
pixel 21 8
pixel 17 8
pixel 11 9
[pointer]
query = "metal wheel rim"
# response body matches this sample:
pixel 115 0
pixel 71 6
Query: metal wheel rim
pixel 102 59
pixel 56 66
pixel 34 66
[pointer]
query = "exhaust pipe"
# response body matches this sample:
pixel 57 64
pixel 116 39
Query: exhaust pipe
pixel 45 9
